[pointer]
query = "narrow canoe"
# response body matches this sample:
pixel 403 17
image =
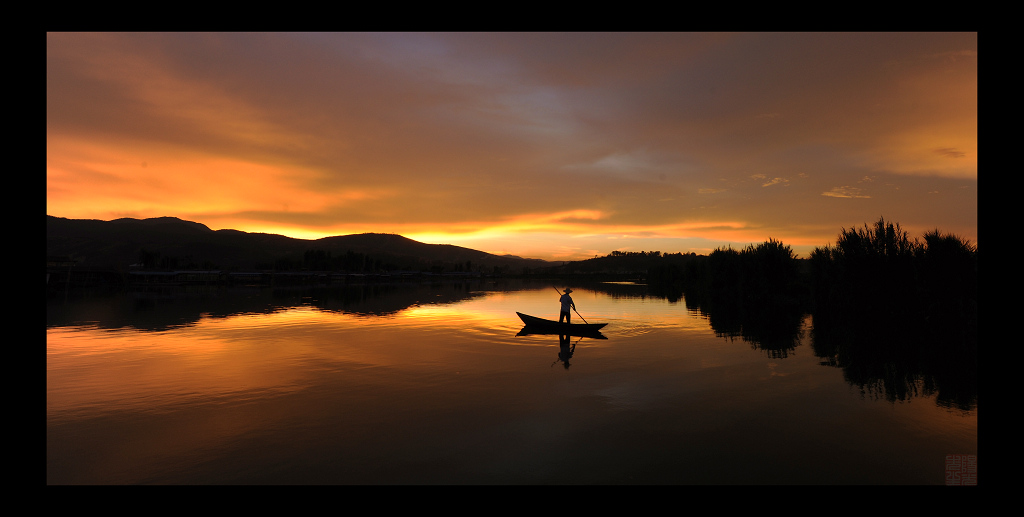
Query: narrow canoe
pixel 534 322
pixel 534 331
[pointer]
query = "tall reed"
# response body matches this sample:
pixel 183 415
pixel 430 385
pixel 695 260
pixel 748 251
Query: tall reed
pixel 876 277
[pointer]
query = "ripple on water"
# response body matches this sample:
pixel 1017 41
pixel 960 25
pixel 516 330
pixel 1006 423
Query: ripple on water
pixel 627 329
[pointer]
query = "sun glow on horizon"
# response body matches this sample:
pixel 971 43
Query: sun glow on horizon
pixel 535 237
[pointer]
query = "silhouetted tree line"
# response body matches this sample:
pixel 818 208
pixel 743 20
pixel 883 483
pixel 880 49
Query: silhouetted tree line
pixel 355 262
pixel 873 272
pixel 323 260
pixel 878 272
pixel 151 259
pixel 880 279
pixel 765 273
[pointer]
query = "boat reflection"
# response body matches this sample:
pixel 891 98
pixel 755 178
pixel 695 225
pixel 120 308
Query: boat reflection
pixel 566 347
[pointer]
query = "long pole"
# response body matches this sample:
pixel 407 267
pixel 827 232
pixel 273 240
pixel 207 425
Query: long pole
pixel 574 308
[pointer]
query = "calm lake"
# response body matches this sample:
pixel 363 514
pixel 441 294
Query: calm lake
pixel 430 384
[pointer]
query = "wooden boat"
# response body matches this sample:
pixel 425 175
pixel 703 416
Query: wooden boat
pixel 533 331
pixel 536 325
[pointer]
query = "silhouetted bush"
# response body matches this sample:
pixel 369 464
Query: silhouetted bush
pixel 770 273
pixel 765 273
pixel 947 268
pixel 868 274
pixel 878 274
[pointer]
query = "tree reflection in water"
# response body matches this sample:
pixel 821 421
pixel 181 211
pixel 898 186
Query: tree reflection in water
pixel 886 357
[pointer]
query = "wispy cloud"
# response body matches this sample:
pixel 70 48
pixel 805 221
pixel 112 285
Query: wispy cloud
pixel 848 192
pixel 950 152
pixel 767 182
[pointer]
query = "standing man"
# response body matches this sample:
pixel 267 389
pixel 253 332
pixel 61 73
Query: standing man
pixel 567 304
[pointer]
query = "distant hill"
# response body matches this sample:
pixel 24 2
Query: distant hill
pixel 121 242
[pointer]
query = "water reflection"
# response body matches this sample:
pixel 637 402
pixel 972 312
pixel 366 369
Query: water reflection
pixel 886 362
pixel 160 310
pixel 883 358
pixel 889 362
pixel 565 350
pixel 775 328
pixel 416 384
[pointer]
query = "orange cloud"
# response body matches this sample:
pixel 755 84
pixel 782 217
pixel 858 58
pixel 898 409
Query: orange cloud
pixel 93 180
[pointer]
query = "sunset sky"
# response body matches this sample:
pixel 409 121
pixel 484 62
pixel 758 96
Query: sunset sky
pixel 558 146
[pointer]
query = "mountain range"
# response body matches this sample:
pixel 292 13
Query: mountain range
pixel 121 242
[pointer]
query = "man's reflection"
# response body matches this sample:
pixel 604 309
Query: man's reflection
pixel 564 350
